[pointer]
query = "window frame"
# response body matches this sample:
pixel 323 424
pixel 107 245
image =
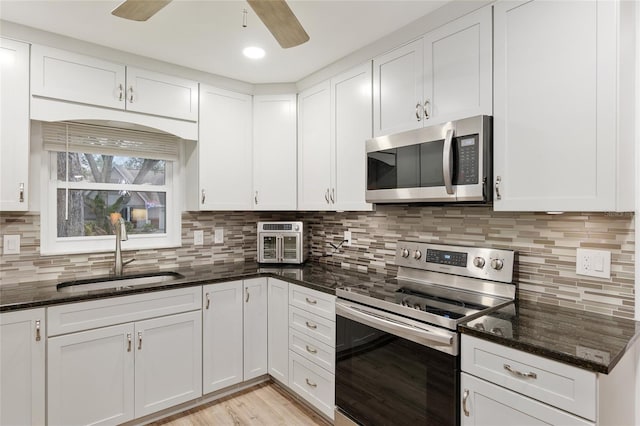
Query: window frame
pixel 51 244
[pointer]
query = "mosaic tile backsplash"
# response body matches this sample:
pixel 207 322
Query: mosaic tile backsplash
pixel 546 247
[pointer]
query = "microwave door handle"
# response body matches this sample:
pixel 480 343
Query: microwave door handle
pixel 447 163
pixel 278 249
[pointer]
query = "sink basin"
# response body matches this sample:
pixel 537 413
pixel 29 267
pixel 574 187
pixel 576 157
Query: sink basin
pixel 118 283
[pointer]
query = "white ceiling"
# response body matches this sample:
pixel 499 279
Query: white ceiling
pixel 207 35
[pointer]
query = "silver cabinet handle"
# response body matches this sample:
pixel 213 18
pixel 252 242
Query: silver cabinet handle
pixel 311 301
pixel 528 375
pixel 21 195
pixel 447 163
pixel 120 92
pixel 246 290
pixel 311 350
pixel 204 196
pixel 333 195
pixel 326 195
pixel 427 103
pixel 465 396
pixel 139 340
pixel 418 112
pixel 38 337
pixel 255 198
pixel 310 383
pixel 311 325
pixel 498 180
pixel 208 301
pixel 130 94
pixel 128 342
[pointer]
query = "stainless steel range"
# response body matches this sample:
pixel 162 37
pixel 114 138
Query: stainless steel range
pixel 397 347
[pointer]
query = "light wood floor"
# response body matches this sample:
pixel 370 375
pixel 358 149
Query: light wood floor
pixel 263 404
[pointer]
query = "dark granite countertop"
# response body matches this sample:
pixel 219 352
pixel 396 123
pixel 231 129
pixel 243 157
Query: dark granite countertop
pixel 587 340
pixel 316 276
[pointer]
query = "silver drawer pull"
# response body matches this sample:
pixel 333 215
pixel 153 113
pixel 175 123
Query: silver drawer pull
pixel 465 396
pixel 128 342
pixel 38 337
pixel 528 375
pixel 310 383
pixel 311 325
pixel 139 340
pixel 208 301
pixel 311 301
pixel 311 350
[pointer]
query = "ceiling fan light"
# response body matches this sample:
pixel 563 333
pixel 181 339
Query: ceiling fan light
pixel 253 52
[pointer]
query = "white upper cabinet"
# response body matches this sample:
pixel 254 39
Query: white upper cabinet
pixel 443 76
pixel 334 123
pixel 398 89
pixel 274 152
pixel 223 151
pixel 314 148
pixel 559 135
pixel 59 74
pixel 14 126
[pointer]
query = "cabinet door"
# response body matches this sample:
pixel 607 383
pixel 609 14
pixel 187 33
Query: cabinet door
pixel 168 360
pixel 555 106
pixel 91 377
pixel 350 128
pixel 314 148
pixel 222 335
pixel 458 69
pixel 398 98
pixel 486 404
pixel 160 94
pixel 224 150
pixel 68 76
pixel 22 365
pixel 278 317
pixel 255 328
pixel 14 125
pixel 274 152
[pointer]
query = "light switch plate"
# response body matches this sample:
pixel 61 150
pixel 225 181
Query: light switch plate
pixel 593 263
pixel 218 236
pixel 198 238
pixel 11 244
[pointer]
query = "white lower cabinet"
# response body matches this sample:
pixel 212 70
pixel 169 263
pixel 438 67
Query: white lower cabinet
pixel 486 404
pixel 143 363
pixel 255 327
pixel 22 367
pixel 278 330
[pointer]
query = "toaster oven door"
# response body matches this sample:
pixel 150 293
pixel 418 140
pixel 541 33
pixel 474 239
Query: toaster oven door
pixel 280 248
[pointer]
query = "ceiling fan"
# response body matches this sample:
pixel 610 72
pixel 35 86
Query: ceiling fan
pixel 274 14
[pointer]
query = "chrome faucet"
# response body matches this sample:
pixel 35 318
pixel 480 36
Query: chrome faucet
pixel 121 235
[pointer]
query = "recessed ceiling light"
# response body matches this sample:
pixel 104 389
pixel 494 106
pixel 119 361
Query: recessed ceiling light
pixel 253 52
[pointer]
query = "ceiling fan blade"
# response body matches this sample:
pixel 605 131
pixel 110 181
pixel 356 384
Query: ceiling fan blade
pixel 280 21
pixel 139 10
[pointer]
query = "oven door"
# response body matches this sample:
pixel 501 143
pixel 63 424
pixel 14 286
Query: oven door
pixel 392 370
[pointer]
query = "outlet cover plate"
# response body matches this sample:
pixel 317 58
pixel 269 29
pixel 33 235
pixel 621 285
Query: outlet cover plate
pixel 11 244
pixel 347 238
pixel 198 238
pixel 218 236
pixel 593 263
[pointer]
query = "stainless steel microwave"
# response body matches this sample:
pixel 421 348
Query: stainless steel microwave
pixel 281 242
pixel 450 162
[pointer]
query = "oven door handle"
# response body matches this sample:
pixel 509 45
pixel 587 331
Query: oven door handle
pixel 383 322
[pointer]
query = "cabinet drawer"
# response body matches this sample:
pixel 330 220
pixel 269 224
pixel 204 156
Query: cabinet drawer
pixel 563 386
pixel 313 350
pixel 117 310
pixel 313 301
pixel 484 403
pixel 314 384
pixel 313 325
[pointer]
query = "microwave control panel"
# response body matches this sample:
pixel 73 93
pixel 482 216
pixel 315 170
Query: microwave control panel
pixel 468 158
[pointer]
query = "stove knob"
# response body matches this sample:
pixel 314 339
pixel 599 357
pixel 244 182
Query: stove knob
pixel 417 254
pixel 497 264
pixel 404 253
pixel 479 262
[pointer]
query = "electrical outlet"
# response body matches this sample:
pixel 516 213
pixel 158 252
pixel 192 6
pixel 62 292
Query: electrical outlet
pixel 218 236
pixel 11 244
pixel 198 238
pixel 347 238
pixel 593 263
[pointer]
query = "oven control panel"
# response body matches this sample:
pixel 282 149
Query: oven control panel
pixel 476 262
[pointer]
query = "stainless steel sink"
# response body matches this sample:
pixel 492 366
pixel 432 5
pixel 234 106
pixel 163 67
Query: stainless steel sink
pixel 118 283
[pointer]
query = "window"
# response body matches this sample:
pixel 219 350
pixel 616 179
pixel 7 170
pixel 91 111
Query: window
pixel 95 172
